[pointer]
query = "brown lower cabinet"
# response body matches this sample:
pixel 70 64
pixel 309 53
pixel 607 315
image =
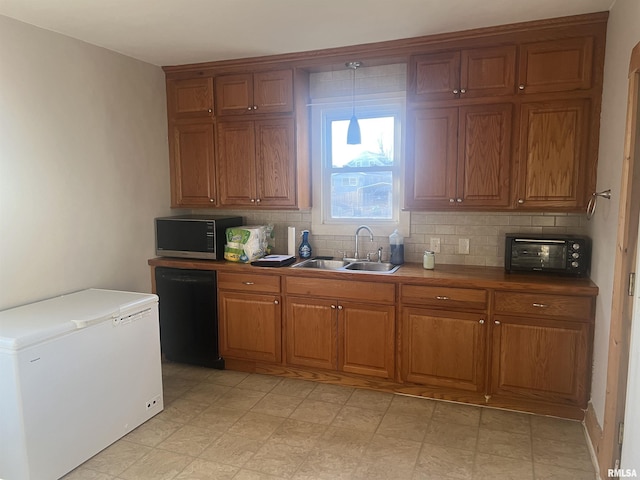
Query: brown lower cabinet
pixel 336 332
pixel 541 347
pixel 444 348
pixel 534 348
pixel 249 310
pixel 521 342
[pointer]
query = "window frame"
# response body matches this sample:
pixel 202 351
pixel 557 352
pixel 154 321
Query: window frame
pixel 323 111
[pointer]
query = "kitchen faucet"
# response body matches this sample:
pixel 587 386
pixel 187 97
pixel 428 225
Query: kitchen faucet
pixel 361 227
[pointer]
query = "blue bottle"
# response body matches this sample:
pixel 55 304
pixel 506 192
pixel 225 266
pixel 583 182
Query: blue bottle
pixel 304 251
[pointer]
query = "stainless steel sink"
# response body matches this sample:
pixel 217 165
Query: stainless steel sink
pixel 322 264
pixel 373 267
pixel 348 266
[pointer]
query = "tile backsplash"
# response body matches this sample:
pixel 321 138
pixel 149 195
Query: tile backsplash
pixel 485 232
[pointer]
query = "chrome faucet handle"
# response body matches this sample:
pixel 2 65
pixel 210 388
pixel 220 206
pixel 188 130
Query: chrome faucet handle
pixel 380 255
pixel 343 253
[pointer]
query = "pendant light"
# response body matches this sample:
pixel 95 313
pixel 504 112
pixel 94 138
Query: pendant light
pixel 353 133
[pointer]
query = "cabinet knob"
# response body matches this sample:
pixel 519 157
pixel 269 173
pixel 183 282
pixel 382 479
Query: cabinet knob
pixel 258 200
pixel 253 200
pixel 255 107
pixel 249 108
pixel 333 306
pixel 481 321
pixel 276 302
pixel 497 322
pixel 520 201
pixel 455 91
pixel 459 200
pixel 339 307
pixel 463 90
pixel 209 110
pixel 452 200
pixel 212 200
pixel 520 87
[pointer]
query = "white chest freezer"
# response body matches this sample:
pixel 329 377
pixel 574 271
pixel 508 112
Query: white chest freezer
pixel 77 373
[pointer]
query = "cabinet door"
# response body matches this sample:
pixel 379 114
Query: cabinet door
pixel 273 92
pixel 541 359
pixel 275 162
pixel 555 66
pixel 488 71
pixel 430 178
pixel 192 165
pixel 190 98
pixel 443 349
pixel 367 335
pixel 311 332
pixel 236 163
pixel 484 155
pixel 553 149
pixel 435 76
pixel 234 94
pixel 250 326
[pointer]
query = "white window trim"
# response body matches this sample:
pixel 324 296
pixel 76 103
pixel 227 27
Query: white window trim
pixel 319 107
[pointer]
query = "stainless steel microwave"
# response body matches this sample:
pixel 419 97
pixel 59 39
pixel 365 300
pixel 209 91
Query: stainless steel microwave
pixel 193 236
pixel 558 254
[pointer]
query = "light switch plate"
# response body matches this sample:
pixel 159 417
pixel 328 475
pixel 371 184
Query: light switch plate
pixel 463 246
pixel 435 245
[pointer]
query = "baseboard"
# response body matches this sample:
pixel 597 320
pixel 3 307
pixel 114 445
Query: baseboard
pixel 594 436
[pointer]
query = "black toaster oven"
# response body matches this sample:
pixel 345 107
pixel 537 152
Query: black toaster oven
pixel 558 254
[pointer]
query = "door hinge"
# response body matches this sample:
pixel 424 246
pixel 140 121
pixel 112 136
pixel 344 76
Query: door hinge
pixel 632 284
pixel 620 433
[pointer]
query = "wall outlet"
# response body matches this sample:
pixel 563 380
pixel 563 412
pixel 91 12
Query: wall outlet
pixel 463 246
pixel 435 245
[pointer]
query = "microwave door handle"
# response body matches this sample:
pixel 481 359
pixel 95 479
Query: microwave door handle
pixel 533 240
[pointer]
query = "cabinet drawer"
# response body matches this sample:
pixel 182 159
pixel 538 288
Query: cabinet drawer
pixel 444 296
pixel 341 289
pixel 541 304
pixel 249 282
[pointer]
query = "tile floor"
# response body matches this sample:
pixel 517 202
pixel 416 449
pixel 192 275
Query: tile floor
pixel 225 424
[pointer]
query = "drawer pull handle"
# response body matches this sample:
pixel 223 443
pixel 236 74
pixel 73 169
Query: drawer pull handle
pixel 540 305
pixel 441 297
pixel 248 283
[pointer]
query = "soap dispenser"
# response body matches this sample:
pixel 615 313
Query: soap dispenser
pixel 396 247
pixel 304 251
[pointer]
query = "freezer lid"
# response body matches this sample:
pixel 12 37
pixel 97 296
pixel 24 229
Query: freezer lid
pixel 30 324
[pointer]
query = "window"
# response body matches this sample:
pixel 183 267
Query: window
pixel 359 184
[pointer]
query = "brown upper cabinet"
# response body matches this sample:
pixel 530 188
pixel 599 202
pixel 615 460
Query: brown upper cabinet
pixel 553 154
pixel 256 163
pixel 556 66
pixel 263 92
pixel 192 165
pixel 459 156
pixel 190 98
pixel 463 74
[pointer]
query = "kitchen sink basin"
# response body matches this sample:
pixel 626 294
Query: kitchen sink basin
pixel 347 266
pixel 372 267
pixel 322 264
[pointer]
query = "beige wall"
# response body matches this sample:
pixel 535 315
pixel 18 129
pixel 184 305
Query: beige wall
pixel 622 34
pixel 83 165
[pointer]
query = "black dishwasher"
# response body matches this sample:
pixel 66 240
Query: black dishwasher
pixel 188 316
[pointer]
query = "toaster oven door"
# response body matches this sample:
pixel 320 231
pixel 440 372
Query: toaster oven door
pixel 538 255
